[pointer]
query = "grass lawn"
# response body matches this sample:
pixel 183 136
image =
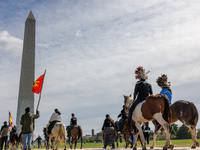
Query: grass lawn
pixel 160 143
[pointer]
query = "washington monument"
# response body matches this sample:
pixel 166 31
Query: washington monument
pixel 27 76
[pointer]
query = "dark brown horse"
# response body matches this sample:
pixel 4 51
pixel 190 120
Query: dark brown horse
pixel 127 134
pixel 76 133
pixel 187 113
pixel 154 108
pixel 14 140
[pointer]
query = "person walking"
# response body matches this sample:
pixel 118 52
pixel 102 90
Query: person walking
pixel 142 90
pixel 28 125
pixel 108 132
pixel 39 140
pixel 4 133
pixel 146 130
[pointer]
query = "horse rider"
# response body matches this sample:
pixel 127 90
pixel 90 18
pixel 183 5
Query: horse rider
pixel 108 132
pixel 4 134
pixel 165 86
pixel 142 90
pixel 73 122
pixel 123 118
pixel 55 117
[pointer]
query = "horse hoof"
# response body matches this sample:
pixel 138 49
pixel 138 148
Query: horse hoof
pixel 193 147
pixel 197 144
pixel 151 147
pixel 171 147
pixel 134 148
pixel 144 148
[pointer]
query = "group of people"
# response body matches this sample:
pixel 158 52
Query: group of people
pixel 142 90
pixel 28 125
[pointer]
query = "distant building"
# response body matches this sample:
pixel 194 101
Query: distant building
pixel 99 134
pixel 92 132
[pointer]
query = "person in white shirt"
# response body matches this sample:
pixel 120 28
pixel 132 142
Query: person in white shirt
pixel 55 117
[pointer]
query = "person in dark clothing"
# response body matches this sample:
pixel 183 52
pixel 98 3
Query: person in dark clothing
pixel 123 118
pixel 4 134
pixel 108 132
pixel 39 140
pixel 146 130
pixel 142 90
pixel 73 122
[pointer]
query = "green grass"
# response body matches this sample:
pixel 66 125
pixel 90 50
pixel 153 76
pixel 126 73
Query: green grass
pixel 160 143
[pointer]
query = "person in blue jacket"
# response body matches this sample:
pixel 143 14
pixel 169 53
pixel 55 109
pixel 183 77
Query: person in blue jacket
pixel 165 86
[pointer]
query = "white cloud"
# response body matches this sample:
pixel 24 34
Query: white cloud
pixel 91 49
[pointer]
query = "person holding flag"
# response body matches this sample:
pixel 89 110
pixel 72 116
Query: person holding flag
pixel 28 124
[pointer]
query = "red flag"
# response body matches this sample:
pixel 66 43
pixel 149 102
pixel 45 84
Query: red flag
pixel 10 119
pixel 37 85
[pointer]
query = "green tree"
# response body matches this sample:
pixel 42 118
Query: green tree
pixel 183 133
pixel 174 130
pixel 198 133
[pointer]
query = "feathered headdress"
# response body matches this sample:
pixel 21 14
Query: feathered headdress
pixel 162 82
pixel 140 73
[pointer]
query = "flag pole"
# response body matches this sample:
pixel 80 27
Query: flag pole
pixel 41 90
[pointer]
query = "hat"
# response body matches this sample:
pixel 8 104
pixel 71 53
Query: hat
pixel 162 81
pixel 140 73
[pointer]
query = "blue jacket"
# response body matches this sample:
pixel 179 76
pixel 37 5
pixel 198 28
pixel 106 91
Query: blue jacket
pixel 166 92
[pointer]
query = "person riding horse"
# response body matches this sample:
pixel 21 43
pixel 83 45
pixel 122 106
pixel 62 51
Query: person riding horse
pixel 55 117
pixel 73 122
pixel 142 90
pixel 123 118
pixel 165 86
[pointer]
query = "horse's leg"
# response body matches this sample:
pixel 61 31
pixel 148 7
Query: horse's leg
pixel 135 145
pixel 155 133
pixel 125 137
pixel 51 145
pixel 131 135
pixel 75 142
pixel 117 139
pixel 65 142
pixel 137 124
pixel 81 142
pixel 166 125
pixel 192 128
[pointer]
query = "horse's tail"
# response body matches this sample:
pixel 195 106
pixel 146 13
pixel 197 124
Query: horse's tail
pixel 62 132
pixel 80 132
pixel 167 114
pixel 195 114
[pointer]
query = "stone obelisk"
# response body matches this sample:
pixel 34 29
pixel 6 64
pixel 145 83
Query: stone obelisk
pixel 27 76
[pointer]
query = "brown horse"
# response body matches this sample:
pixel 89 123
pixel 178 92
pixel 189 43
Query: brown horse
pixel 126 134
pixel 187 113
pixel 154 108
pixel 14 140
pixel 76 133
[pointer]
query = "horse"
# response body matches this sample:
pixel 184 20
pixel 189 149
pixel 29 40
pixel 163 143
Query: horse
pixel 154 108
pixel 126 133
pixel 187 113
pixel 14 140
pixel 59 134
pixel 76 133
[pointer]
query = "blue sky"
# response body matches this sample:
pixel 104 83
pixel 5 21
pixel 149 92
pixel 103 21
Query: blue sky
pixel 91 49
